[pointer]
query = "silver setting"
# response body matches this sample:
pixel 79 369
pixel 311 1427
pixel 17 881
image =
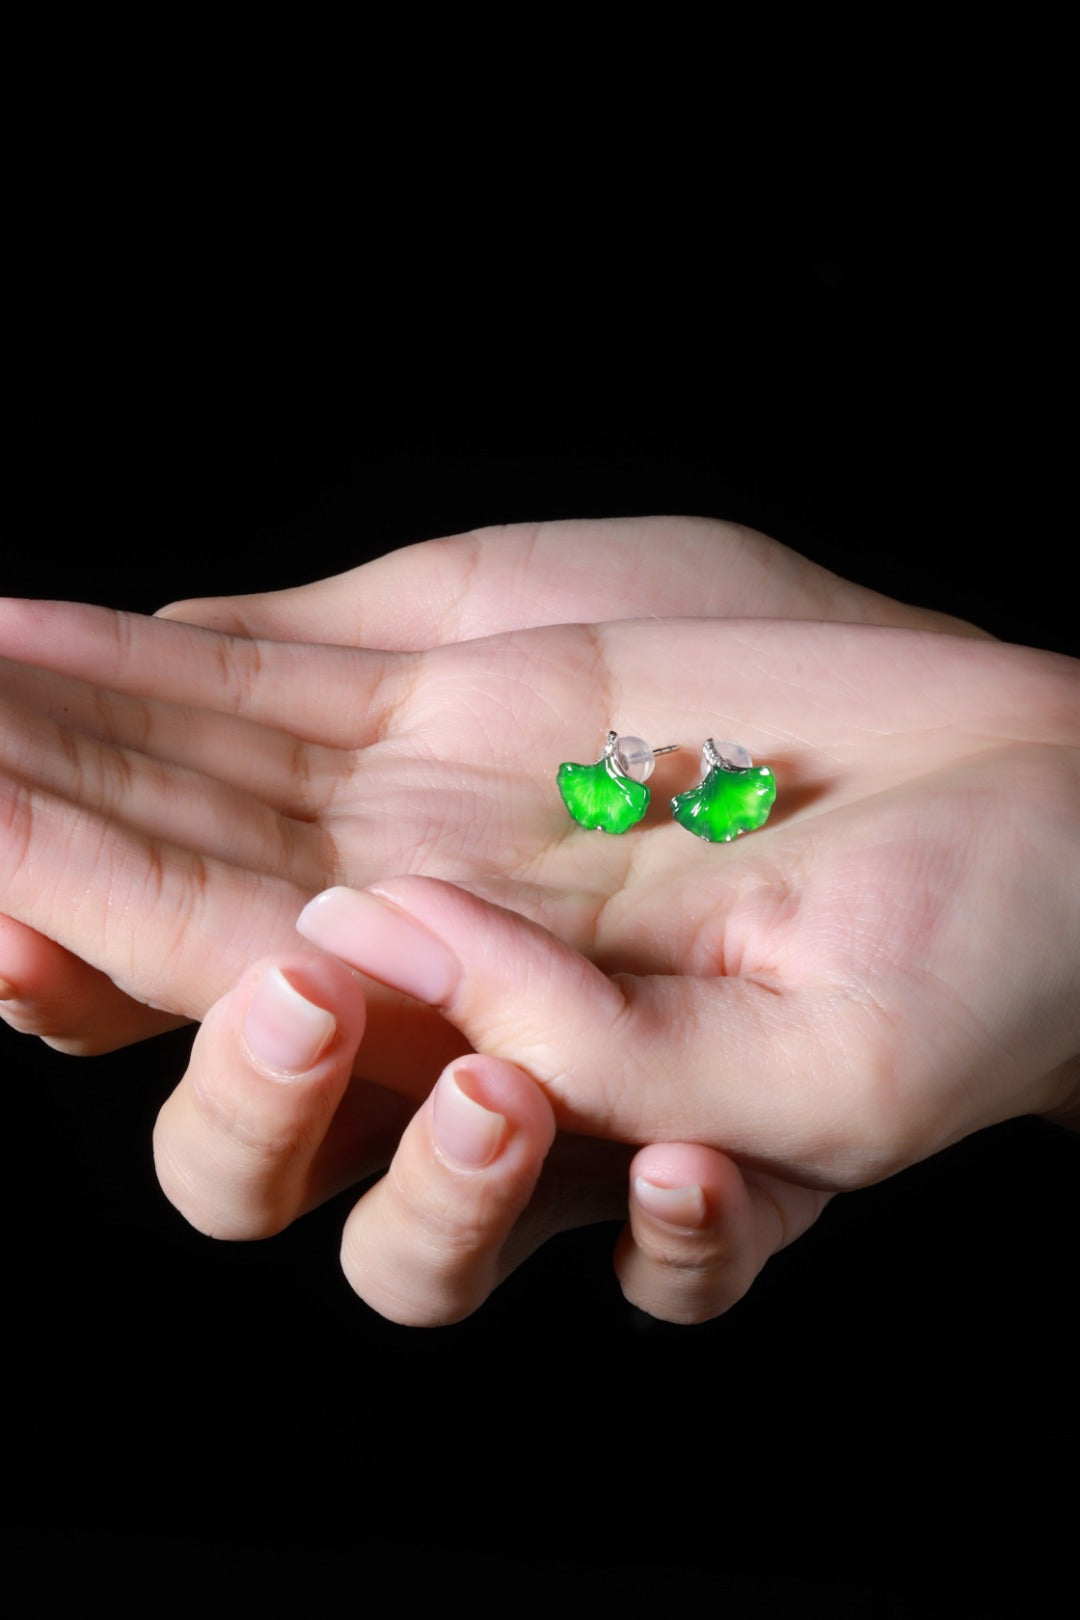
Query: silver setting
pixel 728 756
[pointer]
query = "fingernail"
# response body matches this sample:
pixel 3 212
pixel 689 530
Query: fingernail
pixel 468 1133
pixel 8 991
pixel 676 1206
pixel 374 936
pixel 284 1031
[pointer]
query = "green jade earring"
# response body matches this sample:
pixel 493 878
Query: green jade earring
pixel 611 794
pixel 735 797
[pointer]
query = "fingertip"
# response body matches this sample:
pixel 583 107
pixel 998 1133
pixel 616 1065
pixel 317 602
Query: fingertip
pixel 468 1134
pixel 694 1184
pixel 236 1142
pixel 479 1103
pixel 425 1247
pixel 29 962
pixel 367 929
pixel 294 1010
pixel 685 1255
pixel 47 991
pixel 285 1032
pixel 683 1207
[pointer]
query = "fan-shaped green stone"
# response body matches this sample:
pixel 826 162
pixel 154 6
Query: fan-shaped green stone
pixel 597 796
pixel 727 803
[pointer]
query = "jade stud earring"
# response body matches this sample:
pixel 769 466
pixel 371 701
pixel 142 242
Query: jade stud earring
pixel 735 796
pixel 611 794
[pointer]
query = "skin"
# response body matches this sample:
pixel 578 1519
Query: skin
pixel 860 952
pixel 420 599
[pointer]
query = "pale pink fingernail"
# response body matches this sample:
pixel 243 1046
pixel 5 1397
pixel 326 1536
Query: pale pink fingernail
pixel 676 1206
pixel 374 936
pixel 467 1132
pixel 284 1031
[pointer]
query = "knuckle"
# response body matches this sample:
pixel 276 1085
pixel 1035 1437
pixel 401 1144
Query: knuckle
pixel 425 1252
pixel 235 1120
pixel 683 1281
pixel 239 664
pixel 685 1296
pixel 217 1199
pixel 16 826
pixel 410 1287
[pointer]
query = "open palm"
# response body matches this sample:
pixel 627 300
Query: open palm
pixel 850 954
pixel 430 595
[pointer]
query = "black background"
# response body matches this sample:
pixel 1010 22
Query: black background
pixel 192 423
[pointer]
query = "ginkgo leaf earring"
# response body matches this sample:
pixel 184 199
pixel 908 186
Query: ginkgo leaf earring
pixel 735 796
pixel 611 794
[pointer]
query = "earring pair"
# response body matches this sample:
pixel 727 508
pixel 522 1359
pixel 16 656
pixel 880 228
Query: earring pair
pixel 733 797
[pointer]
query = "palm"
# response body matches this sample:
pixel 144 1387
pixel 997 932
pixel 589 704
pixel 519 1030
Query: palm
pixel 213 784
pixel 423 597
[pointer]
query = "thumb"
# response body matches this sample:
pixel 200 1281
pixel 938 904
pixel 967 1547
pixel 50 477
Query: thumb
pixel 711 1059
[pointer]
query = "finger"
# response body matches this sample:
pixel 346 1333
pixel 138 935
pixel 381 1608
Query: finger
pixel 169 926
pixel 46 991
pixel 172 929
pixel 268 764
pixel 418 706
pixel 426 1245
pixel 169 802
pixel 332 695
pixel 701 1230
pixel 238 1145
pixel 522 575
pixel 742 1051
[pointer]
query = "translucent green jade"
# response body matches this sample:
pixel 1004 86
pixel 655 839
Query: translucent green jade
pixel 597 796
pixel 727 803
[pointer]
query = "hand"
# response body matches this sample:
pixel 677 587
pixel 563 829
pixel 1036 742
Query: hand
pixel 733 852
pixel 866 934
pixel 266 1123
pixel 431 1240
pixel 418 598
pixel 517 578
